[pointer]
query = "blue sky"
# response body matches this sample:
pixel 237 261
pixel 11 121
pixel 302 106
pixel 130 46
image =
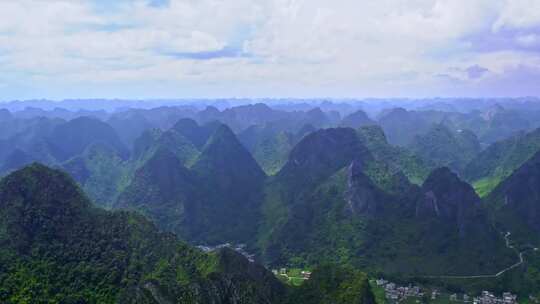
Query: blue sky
pixel 268 48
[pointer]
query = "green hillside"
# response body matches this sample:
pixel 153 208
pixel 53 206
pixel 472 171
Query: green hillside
pixel 500 159
pixel 57 248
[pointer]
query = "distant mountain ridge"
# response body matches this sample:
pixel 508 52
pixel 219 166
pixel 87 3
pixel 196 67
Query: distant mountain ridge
pixel 302 185
pixel 445 147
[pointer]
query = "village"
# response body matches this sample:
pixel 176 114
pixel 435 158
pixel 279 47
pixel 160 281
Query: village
pixel 415 294
pixel 393 293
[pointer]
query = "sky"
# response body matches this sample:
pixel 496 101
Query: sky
pixel 140 49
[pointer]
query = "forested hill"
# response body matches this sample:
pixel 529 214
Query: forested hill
pixel 56 248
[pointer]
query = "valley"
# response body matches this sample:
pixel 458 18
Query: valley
pixel 269 152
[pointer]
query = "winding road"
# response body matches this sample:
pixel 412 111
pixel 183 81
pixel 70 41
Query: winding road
pixel 498 274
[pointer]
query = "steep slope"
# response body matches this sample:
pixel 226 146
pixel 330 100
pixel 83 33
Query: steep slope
pixel 270 144
pixel 448 198
pixel 216 200
pixel 501 123
pixel 517 198
pixel 100 172
pixel 336 200
pixel 154 139
pixel 55 247
pixel 143 145
pixel 198 135
pixel 400 125
pixel 515 204
pixel 164 190
pixel 396 159
pixel 232 182
pixel 443 147
pixel 500 159
pixel 73 137
pixel 129 127
pixel 319 155
pixel 288 208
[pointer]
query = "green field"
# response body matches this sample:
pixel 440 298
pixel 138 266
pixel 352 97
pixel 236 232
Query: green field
pixel 378 292
pixel 484 186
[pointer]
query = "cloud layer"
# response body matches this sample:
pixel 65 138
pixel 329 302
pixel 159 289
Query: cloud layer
pixel 300 48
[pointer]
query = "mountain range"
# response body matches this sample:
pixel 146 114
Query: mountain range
pixel 106 207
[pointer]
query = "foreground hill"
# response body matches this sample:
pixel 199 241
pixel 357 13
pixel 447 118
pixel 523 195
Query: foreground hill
pixel 56 248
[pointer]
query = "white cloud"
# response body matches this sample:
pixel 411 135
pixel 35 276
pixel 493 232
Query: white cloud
pixel 518 14
pixel 528 40
pixel 343 47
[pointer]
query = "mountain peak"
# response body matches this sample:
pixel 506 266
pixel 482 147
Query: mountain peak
pixel 445 196
pixel 222 134
pixel 372 134
pixel 71 138
pixel 444 147
pixel 185 124
pixel 38 201
pixel 321 153
pixel 226 158
pixel 32 178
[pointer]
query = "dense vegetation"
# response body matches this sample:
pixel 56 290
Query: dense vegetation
pixel 215 200
pixel 57 248
pixel 444 147
pixel 335 187
pixel 349 219
pixel 334 284
pixel 500 159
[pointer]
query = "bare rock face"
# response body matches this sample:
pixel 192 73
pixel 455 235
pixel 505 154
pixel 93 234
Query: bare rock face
pixel 362 196
pixel 449 199
pixel 428 206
